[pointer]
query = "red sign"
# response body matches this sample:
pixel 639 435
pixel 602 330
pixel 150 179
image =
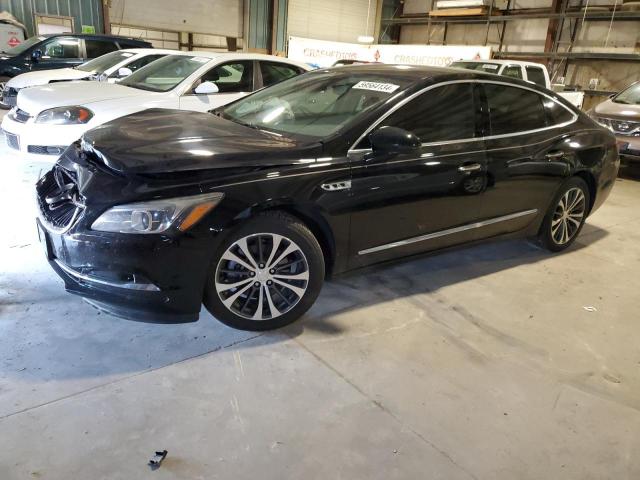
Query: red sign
pixel 13 41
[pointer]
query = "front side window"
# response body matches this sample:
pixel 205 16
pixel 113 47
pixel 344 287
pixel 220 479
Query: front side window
pixel 273 73
pixel 536 75
pixel 513 71
pixel 232 77
pixel 105 62
pixel 61 48
pixel 166 73
pixel 315 105
pixel 440 114
pixel 513 109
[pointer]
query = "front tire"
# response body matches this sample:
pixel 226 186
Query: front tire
pixel 566 216
pixel 266 274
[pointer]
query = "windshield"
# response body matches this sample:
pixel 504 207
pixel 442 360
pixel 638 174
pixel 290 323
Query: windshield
pixel 630 96
pixel 315 104
pixel 29 42
pixel 100 64
pixel 479 66
pixel 165 74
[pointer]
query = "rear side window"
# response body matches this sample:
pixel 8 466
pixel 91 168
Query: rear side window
pixel 141 62
pixel 556 113
pixel 231 77
pixel 513 109
pixel 273 73
pixel 97 48
pixel 536 75
pixel 512 71
pixel 441 114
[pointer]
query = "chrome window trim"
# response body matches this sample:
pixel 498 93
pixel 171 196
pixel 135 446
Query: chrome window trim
pixel 472 139
pixel 449 231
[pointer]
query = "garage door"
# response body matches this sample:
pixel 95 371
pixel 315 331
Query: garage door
pixel 337 20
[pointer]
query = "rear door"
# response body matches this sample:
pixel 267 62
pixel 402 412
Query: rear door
pixel 527 154
pixel 409 203
pixel 234 79
pixel 59 52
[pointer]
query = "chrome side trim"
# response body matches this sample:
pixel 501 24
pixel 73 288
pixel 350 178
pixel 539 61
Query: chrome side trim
pixel 449 231
pixel 474 139
pixel 149 287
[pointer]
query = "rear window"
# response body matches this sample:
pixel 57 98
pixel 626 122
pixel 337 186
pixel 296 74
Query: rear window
pixel 536 75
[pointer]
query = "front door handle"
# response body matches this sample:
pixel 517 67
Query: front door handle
pixel 472 167
pixel 557 155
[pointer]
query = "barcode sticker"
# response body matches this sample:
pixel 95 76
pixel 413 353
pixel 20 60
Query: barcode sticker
pixel 376 87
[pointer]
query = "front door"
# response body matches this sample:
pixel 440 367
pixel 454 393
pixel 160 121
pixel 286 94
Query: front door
pixel 429 199
pixel 234 80
pixel 59 52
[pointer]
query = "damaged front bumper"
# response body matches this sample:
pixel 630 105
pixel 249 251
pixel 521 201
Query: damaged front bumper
pixel 134 277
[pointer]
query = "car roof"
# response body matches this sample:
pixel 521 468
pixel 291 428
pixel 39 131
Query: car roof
pixel 150 51
pixel 426 74
pixel 95 35
pixel 239 56
pixel 502 62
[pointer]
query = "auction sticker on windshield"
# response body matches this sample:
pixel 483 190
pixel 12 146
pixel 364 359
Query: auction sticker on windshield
pixel 376 87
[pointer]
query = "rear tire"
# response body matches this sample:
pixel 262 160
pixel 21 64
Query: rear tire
pixel 266 274
pixel 566 216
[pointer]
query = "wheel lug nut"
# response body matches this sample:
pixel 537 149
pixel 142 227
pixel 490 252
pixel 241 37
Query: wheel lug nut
pixel 269 282
pixel 253 274
pixel 261 265
pixel 272 271
pixel 257 284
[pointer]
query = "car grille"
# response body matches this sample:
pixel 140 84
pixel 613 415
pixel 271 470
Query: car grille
pixel 45 150
pixel 59 202
pixel 12 140
pixel 21 116
pixel 624 127
pixel 621 127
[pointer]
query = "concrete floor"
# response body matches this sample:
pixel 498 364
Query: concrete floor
pixel 481 364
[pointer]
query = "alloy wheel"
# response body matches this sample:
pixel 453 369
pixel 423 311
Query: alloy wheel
pixel 568 216
pixel 262 276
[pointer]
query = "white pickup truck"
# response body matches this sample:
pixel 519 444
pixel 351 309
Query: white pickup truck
pixel 529 71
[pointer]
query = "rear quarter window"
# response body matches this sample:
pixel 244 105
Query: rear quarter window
pixel 536 75
pixel 513 109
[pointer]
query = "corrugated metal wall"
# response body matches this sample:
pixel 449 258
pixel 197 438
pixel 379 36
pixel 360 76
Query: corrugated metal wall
pixel 84 12
pixel 259 25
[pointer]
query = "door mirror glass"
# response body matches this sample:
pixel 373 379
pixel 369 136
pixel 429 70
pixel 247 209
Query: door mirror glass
pixel 124 72
pixel 206 88
pixel 393 140
pixel 36 55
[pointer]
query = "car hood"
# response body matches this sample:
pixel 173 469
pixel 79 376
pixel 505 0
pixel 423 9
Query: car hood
pixel 160 141
pixel 42 77
pixel 35 100
pixel 621 111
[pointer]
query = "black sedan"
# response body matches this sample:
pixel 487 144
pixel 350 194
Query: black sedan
pixel 249 208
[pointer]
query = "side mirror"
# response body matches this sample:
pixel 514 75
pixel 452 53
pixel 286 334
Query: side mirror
pixel 124 72
pixel 393 140
pixel 206 88
pixel 36 55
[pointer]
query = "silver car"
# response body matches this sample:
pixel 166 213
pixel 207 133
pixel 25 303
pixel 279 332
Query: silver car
pixel 621 115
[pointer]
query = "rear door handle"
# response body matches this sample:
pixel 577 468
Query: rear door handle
pixel 554 155
pixel 473 167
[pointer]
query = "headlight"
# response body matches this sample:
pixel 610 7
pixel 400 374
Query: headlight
pixel 157 216
pixel 65 116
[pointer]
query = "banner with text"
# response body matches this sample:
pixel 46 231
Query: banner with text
pixel 323 53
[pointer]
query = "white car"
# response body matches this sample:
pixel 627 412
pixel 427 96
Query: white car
pixel 111 67
pixel 47 119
